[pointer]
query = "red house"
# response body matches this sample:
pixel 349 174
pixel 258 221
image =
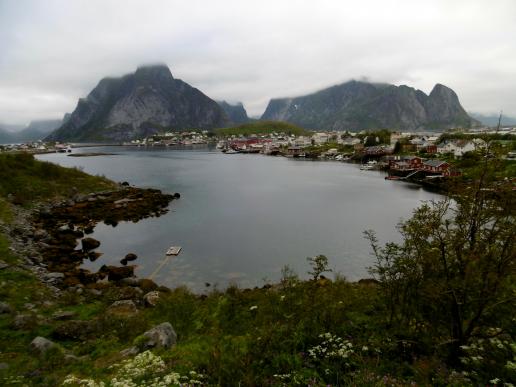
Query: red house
pixel 436 166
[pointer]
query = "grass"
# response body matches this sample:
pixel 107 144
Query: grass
pixel 26 179
pixel 262 128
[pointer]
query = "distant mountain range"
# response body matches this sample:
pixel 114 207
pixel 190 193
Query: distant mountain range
pixel 361 105
pixel 151 100
pixel 492 119
pixel 138 105
pixel 36 130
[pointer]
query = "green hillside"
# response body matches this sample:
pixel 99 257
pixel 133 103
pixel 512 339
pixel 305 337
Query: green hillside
pixel 27 179
pixel 262 127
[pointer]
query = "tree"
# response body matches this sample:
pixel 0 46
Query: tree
pixel 319 265
pixel 452 276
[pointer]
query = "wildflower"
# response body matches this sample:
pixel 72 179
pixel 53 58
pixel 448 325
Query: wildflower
pixel 364 348
pixel 494 381
pixel 254 307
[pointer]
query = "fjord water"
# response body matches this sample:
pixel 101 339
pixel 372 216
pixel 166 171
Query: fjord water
pixel 241 218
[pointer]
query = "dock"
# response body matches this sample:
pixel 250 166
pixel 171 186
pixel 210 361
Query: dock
pixel 174 250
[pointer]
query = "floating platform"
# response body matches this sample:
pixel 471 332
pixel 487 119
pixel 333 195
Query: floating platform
pixel 174 250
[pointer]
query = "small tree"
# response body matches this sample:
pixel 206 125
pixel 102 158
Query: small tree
pixel 319 265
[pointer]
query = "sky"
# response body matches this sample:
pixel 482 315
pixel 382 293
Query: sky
pixel 53 52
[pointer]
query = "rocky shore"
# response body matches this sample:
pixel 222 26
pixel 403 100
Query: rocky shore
pixel 53 241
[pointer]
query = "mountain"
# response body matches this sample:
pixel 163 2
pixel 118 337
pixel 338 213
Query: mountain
pixel 492 119
pixel 358 105
pixel 236 113
pixel 137 105
pixel 37 130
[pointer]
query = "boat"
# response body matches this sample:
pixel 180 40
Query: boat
pixel 231 151
pixel 370 165
pixel 173 250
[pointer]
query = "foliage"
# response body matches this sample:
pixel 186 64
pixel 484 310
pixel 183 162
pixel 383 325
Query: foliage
pixel 262 127
pixel 319 265
pixel 452 276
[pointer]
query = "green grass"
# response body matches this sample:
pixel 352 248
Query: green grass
pixel 261 128
pixel 26 179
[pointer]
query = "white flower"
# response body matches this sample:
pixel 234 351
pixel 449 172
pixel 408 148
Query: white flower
pixel 254 307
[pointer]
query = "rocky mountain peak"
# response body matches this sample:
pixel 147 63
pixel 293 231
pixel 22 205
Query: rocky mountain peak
pixel 138 105
pixel 159 72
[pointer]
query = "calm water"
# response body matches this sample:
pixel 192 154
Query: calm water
pixel 241 218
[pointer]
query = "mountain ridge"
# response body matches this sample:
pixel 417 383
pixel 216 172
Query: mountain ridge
pixel 358 105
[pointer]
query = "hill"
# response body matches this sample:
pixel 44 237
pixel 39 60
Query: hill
pixel 262 127
pixel 138 105
pixel 358 105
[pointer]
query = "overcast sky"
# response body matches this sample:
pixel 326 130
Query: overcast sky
pixel 53 52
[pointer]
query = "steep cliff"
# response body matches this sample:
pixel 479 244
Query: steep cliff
pixel 140 104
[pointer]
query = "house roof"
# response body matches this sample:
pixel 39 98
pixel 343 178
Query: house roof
pixel 434 163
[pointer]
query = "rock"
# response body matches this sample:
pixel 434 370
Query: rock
pixel 51 277
pixel 42 345
pixel 129 352
pixel 131 257
pixel 131 281
pixel 123 307
pixel 3 265
pixel 89 244
pixel 161 336
pixel 24 321
pixel 74 330
pixel 63 315
pixel 147 285
pixel 117 273
pixel 5 308
pixel 151 298
pixel 94 255
pixel 40 234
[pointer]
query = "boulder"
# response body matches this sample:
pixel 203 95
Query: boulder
pixel 151 298
pixel 89 244
pixel 25 321
pixel 161 336
pixel 3 265
pixel 123 307
pixel 42 345
pixel 130 257
pixel 117 273
pixel 147 285
pixel 5 308
pixel 74 330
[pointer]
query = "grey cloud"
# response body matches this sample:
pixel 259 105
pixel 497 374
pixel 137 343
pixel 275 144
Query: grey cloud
pixel 55 51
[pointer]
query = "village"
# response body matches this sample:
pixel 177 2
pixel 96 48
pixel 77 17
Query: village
pixel 404 155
